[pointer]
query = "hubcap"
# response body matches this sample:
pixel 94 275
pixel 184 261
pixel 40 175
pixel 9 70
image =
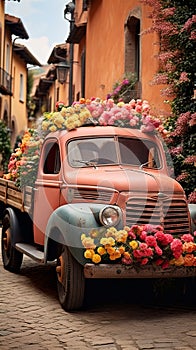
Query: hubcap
pixel 7 240
pixel 59 269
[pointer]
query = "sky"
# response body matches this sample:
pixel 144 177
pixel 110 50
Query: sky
pixel 44 22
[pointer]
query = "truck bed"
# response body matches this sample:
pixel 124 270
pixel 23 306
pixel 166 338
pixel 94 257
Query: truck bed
pixel 11 195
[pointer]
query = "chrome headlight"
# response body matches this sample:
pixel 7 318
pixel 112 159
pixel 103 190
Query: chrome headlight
pixel 110 216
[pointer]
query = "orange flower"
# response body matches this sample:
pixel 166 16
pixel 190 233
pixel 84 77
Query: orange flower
pixel 189 247
pixel 96 258
pixel 189 260
pixel 110 250
pixel 126 255
pixel 121 249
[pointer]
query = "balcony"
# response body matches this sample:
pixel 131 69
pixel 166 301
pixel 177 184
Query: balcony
pixel 5 82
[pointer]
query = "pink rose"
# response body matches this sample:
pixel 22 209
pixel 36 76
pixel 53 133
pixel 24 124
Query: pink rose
pixel 187 238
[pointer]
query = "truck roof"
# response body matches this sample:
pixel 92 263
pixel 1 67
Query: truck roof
pixel 86 131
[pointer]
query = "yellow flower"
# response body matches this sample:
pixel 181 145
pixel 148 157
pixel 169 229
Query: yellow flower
pixel 111 241
pixel 88 254
pixel 111 231
pixel 121 236
pixel 88 243
pixel 120 104
pixel 18 153
pixel 83 236
pixel 104 241
pixel 107 241
pixel 101 250
pixel 53 128
pixel 63 111
pixel 59 120
pixel 96 258
pixel 133 244
pixel 45 125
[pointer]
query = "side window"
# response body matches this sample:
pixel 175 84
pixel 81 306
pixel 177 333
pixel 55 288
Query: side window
pixel 52 159
pixel 21 97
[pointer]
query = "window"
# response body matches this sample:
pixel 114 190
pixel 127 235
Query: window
pixel 132 45
pixel 100 151
pixel 139 152
pixel 113 150
pixel 7 58
pixel 52 162
pixel 132 48
pixel 21 97
pixel 83 59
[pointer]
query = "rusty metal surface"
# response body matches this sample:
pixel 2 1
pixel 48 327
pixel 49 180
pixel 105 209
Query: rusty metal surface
pixel 123 271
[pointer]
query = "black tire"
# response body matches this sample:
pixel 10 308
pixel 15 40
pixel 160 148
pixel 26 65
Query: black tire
pixel 70 281
pixel 12 258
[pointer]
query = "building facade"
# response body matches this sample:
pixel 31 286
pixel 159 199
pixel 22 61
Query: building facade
pixel 14 59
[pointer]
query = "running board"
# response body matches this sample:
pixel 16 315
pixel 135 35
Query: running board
pixel 30 251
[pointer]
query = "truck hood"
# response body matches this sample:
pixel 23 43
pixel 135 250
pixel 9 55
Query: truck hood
pixel 123 179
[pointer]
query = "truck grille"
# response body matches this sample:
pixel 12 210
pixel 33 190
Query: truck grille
pixel 171 214
pixel 93 195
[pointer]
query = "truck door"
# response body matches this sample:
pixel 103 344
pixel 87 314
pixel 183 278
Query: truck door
pixel 47 188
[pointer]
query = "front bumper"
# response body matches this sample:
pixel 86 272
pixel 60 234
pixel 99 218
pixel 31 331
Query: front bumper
pixel 124 271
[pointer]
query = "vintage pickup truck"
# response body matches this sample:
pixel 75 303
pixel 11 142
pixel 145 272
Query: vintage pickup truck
pixel 90 178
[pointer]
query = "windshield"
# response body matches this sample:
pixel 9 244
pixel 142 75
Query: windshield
pixel 112 151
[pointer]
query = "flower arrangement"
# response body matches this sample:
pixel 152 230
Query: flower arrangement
pixel 135 114
pixel 122 89
pixel 5 147
pixel 23 163
pixel 138 246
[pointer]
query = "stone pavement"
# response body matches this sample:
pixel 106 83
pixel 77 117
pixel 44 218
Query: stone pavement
pixel 115 318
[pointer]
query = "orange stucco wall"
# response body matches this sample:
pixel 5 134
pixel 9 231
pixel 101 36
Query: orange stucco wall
pixel 18 108
pixel 105 49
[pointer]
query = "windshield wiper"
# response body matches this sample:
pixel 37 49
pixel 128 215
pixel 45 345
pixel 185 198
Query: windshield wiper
pixel 142 165
pixel 86 162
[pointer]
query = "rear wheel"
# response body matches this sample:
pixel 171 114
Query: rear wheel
pixel 70 281
pixel 12 258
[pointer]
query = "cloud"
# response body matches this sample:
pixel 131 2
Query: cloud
pixel 40 48
pixel 44 23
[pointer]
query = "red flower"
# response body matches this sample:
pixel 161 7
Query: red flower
pixel 176 247
pixel 158 250
pixel 151 241
pixel 187 238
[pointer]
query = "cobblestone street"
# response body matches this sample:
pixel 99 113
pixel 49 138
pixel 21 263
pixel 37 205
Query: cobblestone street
pixel 32 318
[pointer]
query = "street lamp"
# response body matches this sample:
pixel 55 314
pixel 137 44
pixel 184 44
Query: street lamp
pixel 62 69
pixel 69 10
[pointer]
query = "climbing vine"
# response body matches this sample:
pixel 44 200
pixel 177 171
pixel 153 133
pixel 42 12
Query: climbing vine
pixel 175 23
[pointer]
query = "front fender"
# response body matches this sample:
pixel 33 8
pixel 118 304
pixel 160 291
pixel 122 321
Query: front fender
pixel 68 222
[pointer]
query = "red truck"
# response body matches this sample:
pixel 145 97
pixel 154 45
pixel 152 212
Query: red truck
pixel 92 178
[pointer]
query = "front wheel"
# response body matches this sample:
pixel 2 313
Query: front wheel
pixel 12 258
pixel 70 281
